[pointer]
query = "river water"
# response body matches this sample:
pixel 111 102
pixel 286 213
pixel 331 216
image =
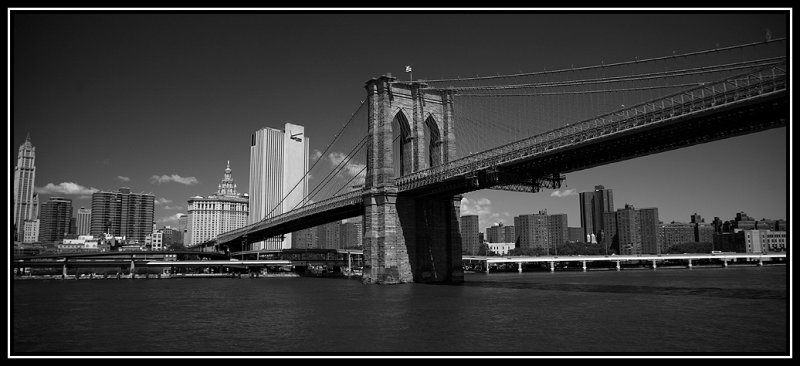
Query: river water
pixel 706 311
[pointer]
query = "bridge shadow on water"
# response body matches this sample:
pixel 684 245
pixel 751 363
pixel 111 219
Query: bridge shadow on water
pixel 738 293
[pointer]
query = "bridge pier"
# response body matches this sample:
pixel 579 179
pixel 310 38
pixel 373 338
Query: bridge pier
pixel 618 267
pixel 552 266
pixel 486 267
pixel 690 264
pixel 760 262
pixel 584 266
pixel 64 270
pixel 408 238
pixel 519 267
pixel 654 264
pixel 725 263
pixel 133 269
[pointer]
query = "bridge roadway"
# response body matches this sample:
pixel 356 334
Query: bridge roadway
pixel 739 105
pixel 653 258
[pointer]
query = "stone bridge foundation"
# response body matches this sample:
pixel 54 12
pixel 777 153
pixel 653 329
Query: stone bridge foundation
pixel 412 240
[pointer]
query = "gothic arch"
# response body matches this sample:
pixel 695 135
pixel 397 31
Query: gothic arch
pixel 404 144
pixel 435 141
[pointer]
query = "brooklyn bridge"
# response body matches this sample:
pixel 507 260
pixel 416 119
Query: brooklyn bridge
pixel 416 146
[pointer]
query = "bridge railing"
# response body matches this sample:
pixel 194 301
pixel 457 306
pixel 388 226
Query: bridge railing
pixel 702 98
pixel 316 207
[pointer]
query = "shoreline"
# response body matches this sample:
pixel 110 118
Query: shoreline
pixel 343 276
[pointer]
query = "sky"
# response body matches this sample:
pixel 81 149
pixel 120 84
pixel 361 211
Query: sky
pixel 160 101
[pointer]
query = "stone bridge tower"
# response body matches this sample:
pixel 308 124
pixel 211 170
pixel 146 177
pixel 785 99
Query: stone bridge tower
pixel 409 238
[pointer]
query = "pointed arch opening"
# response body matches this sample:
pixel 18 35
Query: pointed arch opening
pixel 433 136
pixel 401 144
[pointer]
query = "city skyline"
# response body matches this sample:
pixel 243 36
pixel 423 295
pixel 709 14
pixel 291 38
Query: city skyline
pixel 157 102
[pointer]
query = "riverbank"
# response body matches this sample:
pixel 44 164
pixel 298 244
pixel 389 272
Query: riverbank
pixel 154 276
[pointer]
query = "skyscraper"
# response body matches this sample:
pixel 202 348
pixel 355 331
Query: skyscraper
pixel 328 235
pixel 469 234
pixel 593 205
pixel 648 219
pixel 54 222
pixel 84 221
pixel 278 181
pixel 351 233
pixel 499 233
pixel 558 230
pixel 533 231
pixel 631 231
pixel 183 227
pixel 24 177
pixel 122 213
pixel 218 213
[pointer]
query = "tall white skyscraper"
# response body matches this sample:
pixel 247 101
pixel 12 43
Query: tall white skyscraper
pixel 25 207
pixel 278 181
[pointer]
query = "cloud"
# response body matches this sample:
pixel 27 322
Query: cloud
pixel 173 178
pixel 349 170
pixel 173 207
pixel 124 179
pixel 162 201
pixel 65 188
pixel 170 219
pixel 565 193
pixel 480 207
pixel 316 154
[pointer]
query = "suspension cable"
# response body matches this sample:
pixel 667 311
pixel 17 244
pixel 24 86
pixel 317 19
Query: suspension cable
pixel 335 137
pixel 610 65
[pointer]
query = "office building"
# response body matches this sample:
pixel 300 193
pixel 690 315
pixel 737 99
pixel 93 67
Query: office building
pixel 305 238
pixel 648 225
pixel 629 231
pixel 575 234
pixel 278 181
pixel 123 214
pixel 217 213
pixel 24 178
pixel 84 221
pixel 557 230
pixel 469 234
pixel 499 233
pixel 183 227
pixel 328 235
pixel 54 219
pixel 533 231
pixel 351 233
pixel 744 222
pixel 154 240
pixel 31 231
pixel 730 242
pixel 704 233
pixel 170 236
pixel 592 206
pixel 675 233
pixel 764 241
pixel 632 231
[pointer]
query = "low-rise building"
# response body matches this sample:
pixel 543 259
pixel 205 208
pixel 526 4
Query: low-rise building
pixel 501 248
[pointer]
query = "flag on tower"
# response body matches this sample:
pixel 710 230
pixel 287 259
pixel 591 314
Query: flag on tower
pixel 408 68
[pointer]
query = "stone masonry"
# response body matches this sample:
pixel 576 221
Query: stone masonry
pixel 409 238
